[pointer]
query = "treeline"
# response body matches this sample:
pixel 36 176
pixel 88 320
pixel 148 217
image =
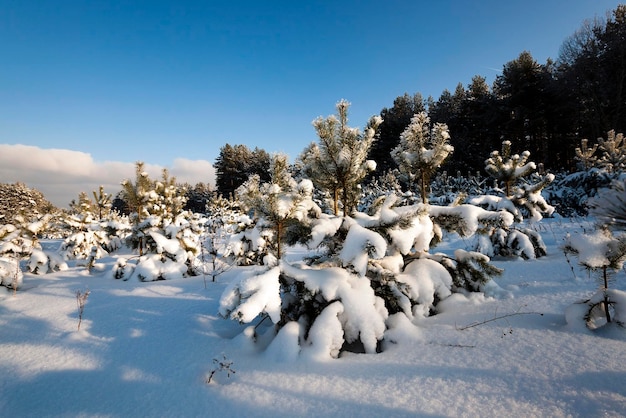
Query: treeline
pixel 546 109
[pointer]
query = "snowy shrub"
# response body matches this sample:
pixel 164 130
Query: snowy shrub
pixel 168 239
pixel 41 262
pixel 20 237
pixel 152 267
pixel 122 269
pixel 81 245
pixel 11 275
pixel 215 250
pixel 257 291
pixel 174 253
pixel 20 240
pixel 521 196
pixel 375 265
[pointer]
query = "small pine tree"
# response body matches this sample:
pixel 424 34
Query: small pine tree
pixel 520 197
pixel 606 252
pixel 103 202
pixel 507 168
pixel 279 205
pixel 136 195
pixel 339 162
pixel 613 158
pixel 88 238
pixel 585 155
pixel 422 151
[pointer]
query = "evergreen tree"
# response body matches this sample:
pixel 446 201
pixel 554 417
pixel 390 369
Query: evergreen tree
pixel 395 119
pixel 197 197
pixel 280 205
pixel 375 265
pixel 339 162
pixel 90 239
pixel 235 164
pixel 17 198
pixel 102 202
pixel 421 151
pixel 136 196
pixel 522 91
pixel 521 197
pixel 506 168
pixel 592 76
pixel 609 206
pixel 613 149
pixel 585 155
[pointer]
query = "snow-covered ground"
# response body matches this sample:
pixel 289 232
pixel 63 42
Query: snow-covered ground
pixel 148 349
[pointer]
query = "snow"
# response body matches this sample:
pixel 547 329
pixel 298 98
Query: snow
pixel 592 249
pixel 361 244
pixel 260 293
pixel 147 348
pixel 362 311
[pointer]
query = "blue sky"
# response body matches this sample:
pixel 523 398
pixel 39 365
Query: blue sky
pixel 157 80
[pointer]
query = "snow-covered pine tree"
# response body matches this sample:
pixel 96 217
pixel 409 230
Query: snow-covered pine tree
pixel 103 202
pixel 136 196
pixel 604 250
pixel 87 238
pixel 421 151
pixel 609 206
pixel 281 208
pixel 506 169
pixel 521 197
pixel 570 192
pixel 20 240
pixel 601 251
pixel 375 265
pixel 338 163
pixel 167 237
pixel 19 199
pixel 613 152
pixel 585 155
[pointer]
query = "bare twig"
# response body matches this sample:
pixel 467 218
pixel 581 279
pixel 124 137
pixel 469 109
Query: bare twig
pixel 496 318
pixel 81 300
pixel 223 365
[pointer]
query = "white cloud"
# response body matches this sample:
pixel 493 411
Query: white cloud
pixel 61 174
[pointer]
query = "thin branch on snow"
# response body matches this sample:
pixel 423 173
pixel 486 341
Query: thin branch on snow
pixel 495 318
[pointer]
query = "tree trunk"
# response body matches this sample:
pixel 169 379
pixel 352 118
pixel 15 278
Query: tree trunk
pixel 279 233
pixel 423 187
pixel 606 298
